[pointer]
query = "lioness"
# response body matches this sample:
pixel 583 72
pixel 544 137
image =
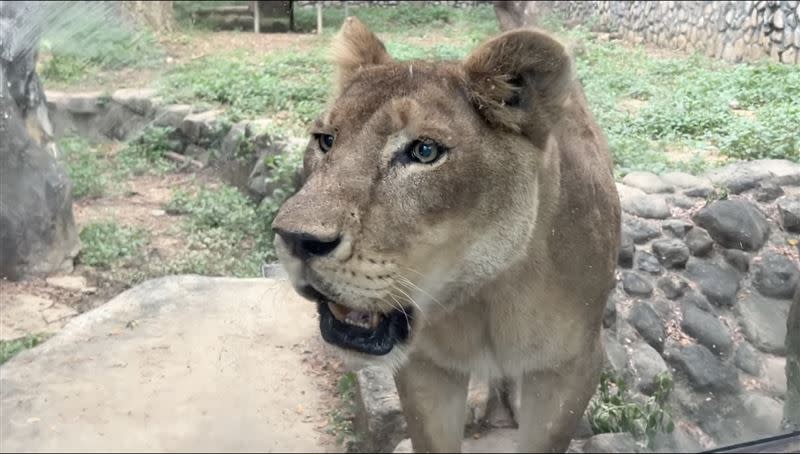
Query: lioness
pixel 458 218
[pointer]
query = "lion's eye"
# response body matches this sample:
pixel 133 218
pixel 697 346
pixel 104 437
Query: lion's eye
pixel 425 151
pixel 325 142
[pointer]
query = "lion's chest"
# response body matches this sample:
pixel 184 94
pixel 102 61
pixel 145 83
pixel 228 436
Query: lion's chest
pixel 478 338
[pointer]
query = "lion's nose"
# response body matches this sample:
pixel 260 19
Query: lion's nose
pixel 305 245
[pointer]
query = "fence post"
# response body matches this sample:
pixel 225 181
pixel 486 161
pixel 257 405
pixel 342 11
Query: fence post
pixel 256 17
pixel 319 18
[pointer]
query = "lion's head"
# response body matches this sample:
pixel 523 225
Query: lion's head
pixel 421 182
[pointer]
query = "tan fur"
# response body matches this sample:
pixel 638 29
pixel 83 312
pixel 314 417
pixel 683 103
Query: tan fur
pixel 505 248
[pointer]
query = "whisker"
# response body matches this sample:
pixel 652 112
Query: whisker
pixel 407 282
pixel 400 306
pixel 410 299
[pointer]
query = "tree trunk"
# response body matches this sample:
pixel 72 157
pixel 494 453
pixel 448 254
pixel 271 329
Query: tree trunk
pixel 157 15
pixel 37 230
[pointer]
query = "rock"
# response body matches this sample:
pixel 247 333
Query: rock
pixel 85 103
pixel 647 322
pixel 775 375
pixel 379 419
pixel 775 275
pixel 737 259
pixel 616 355
pixel 404 447
pixel 67 282
pixel 230 144
pixel 636 285
pixel 156 341
pixel 719 283
pixel 699 191
pixel 768 191
pixel 764 322
pixel 647 182
pixel 274 271
pixel 119 123
pixel 683 180
pixel 676 227
pixel 707 329
pixel 648 263
pixel 611 442
pixel 639 230
pixel 171 116
pixel 139 100
pixel 734 224
pixel 682 202
pixel 647 364
pixel 37 229
pixel 789 213
pixel 699 242
pixel 777 20
pixel 626 250
pixel 742 176
pixel 705 371
pixel 791 409
pixel 199 126
pixel 761 416
pixel 698 300
pixel 671 253
pixel 748 359
pixel 672 286
pixel 610 312
pixel 650 206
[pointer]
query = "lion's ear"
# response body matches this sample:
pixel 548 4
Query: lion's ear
pixel 354 48
pixel 518 78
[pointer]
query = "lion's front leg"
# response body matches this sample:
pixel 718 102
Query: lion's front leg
pixel 433 401
pixel 553 402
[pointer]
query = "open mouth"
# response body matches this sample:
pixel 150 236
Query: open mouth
pixel 368 332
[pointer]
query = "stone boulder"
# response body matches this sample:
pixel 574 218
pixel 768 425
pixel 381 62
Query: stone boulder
pixel 735 224
pixel 176 364
pixel 37 229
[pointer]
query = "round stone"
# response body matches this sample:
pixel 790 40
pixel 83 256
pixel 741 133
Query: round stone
pixel 775 276
pixel 636 285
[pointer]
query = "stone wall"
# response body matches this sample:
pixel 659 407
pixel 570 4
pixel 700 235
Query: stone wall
pixel 731 30
pixel 196 135
pixel 456 4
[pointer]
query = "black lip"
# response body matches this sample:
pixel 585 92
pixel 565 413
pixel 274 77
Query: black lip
pixel 393 328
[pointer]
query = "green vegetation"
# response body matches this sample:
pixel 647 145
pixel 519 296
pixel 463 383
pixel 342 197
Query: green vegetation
pixel 341 417
pixel 9 348
pixel 707 106
pixel 106 244
pixel 84 37
pixel 224 232
pixel 613 410
pixel 86 167
pixel 145 154
pixel 296 82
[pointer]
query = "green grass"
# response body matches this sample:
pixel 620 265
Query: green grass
pixel 86 167
pixel 9 348
pixel 224 232
pixel 341 417
pixel 85 37
pixel 106 244
pixel 92 169
pixel 613 409
pixel 296 82
pixel 145 154
pixel 687 103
